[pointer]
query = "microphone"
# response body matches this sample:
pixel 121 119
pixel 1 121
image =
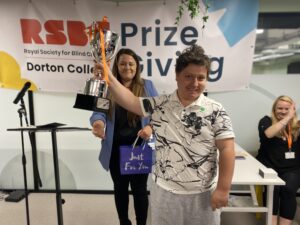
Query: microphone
pixel 22 92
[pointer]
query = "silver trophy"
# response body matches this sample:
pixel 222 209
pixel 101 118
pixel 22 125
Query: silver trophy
pixel 94 96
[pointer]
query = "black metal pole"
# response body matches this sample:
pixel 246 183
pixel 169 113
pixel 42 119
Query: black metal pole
pixel 22 112
pixel 59 200
pixel 36 175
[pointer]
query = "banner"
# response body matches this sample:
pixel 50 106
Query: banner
pixel 44 42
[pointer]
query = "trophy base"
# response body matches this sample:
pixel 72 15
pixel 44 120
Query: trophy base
pixel 92 103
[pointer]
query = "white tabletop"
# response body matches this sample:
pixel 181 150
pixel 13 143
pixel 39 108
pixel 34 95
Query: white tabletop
pixel 246 170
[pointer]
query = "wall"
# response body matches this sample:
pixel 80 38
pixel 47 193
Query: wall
pixel 78 151
pixel 247 107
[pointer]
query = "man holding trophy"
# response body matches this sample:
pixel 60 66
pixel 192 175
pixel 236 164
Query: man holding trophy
pixel 194 142
pixel 116 126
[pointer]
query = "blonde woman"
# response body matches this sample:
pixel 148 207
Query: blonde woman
pixel 280 150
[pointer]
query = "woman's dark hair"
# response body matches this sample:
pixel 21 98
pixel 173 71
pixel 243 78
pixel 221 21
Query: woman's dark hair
pixel 137 85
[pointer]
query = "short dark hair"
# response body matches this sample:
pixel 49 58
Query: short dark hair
pixel 192 55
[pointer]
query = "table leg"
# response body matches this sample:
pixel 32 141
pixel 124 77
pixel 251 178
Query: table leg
pixel 270 190
pixel 57 179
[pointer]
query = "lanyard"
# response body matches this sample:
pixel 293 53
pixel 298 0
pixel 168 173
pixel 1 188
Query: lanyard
pixel 288 137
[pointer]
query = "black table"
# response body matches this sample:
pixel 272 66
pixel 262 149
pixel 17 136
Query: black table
pixel 53 128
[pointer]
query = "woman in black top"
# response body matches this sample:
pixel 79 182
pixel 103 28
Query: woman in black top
pixel 280 150
pixel 121 127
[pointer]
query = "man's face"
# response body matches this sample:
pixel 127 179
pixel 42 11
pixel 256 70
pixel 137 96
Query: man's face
pixel 191 82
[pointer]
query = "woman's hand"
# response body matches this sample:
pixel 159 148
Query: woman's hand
pixel 276 128
pixel 292 111
pixel 98 129
pixel 145 132
pixel 289 116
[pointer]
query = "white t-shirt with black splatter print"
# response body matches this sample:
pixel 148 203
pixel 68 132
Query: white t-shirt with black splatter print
pixel 186 154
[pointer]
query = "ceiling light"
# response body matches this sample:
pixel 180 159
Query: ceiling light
pixel 275 56
pixel 259 31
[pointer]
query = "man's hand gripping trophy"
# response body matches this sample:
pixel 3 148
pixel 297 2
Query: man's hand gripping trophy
pixel 103 43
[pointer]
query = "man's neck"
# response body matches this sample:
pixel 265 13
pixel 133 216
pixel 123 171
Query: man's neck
pixel 186 102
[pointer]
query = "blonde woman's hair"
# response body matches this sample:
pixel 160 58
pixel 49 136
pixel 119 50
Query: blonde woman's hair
pixel 294 122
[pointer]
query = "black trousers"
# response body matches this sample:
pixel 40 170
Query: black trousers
pixel 138 184
pixel 284 200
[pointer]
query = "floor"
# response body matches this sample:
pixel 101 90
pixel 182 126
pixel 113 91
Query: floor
pixel 84 209
pixel 78 209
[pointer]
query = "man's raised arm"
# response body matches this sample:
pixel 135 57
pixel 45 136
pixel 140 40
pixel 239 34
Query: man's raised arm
pixel 120 93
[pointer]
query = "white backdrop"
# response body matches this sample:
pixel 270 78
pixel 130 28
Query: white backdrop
pixel 44 41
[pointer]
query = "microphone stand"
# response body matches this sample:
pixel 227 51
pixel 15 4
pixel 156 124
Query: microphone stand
pixel 22 111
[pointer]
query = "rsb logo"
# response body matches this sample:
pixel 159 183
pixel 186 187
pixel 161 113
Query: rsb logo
pixel 58 32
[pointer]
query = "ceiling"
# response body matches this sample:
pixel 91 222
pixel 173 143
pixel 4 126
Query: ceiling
pixel 277 43
pixel 280 37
